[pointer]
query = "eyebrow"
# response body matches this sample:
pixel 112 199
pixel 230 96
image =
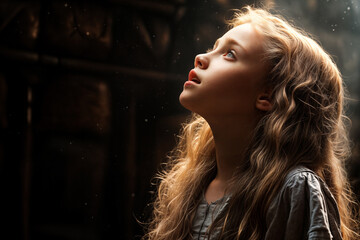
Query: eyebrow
pixel 230 41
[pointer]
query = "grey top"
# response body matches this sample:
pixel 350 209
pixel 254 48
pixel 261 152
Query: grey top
pixel 205 215
pixel 303 209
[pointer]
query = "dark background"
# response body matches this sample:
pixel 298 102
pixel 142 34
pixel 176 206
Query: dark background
pixel 89 103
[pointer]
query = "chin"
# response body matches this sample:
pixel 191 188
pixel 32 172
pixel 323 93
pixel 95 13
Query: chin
pixel 183 101
pixel 186 102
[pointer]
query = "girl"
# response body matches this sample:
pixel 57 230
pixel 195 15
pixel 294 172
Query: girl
pixel 263 156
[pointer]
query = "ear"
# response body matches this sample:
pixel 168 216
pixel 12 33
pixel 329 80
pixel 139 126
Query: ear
pixel 263 101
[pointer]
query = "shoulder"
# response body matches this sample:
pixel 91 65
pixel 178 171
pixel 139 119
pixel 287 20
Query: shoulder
pixel 302 180
pixel 301 175
pixel 305 205
pixel 303 185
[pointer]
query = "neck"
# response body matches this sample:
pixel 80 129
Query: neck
pixel 231 136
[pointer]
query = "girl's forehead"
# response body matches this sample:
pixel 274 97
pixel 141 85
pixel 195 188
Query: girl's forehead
pixel 245 35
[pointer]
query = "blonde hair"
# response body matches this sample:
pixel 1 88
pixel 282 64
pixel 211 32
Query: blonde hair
pixel 306 126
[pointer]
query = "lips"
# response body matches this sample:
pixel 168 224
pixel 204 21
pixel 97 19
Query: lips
pixel 193 77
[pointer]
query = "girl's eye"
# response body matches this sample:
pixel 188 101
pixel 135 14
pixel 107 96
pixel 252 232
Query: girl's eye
pixel 230 54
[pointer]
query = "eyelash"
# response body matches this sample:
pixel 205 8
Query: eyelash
pixel 227 52
pixel 230 51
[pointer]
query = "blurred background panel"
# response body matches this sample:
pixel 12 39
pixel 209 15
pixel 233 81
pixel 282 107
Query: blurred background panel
pixel 89 103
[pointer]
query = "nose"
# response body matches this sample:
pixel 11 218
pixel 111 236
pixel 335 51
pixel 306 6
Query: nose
pixel 201 61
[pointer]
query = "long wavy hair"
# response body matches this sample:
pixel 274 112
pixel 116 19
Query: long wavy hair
pixel 306 126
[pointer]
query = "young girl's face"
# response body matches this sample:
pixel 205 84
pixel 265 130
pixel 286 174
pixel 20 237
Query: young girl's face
pixel 228 79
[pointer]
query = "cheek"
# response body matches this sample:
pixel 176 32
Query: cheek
pixel 234 90
pixel 232 82
pixel 224 91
